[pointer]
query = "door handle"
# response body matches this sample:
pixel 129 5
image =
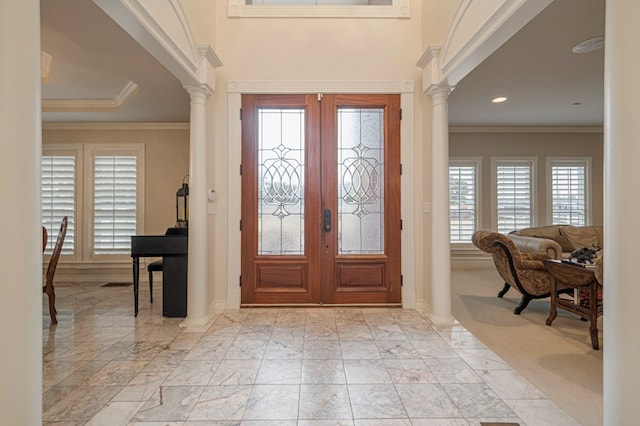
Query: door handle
pixel 327 221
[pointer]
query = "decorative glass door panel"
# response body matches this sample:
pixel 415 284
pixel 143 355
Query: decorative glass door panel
pixel 320 199
pixel 281 162
pixel 360 181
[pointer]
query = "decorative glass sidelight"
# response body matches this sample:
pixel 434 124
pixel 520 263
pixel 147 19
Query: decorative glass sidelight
pixel 360 181
pixel 281 156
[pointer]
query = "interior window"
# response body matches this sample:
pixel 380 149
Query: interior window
pixel 322 2
pixel 352 9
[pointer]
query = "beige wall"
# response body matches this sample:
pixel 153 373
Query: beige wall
pixel 530 144
pixel 166 163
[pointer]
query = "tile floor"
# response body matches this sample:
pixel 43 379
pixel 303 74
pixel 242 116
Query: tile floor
pixel 275 366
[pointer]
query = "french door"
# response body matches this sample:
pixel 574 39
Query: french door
pixel 320 199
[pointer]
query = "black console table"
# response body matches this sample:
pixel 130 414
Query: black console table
pixel 173 248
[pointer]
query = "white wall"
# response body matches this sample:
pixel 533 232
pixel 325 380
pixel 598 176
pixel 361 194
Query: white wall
pixel 20 253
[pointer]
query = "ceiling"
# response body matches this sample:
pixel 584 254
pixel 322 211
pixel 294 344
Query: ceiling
pixel 539 74
pixel 100 74
pixel 94 64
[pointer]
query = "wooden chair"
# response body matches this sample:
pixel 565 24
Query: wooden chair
pixel 45 238
pixel 51 270
pixel 155 266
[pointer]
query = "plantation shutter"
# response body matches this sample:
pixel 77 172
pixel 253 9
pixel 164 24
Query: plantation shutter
pixel 114 210
pixel 569 196
pixel 462 202
pixel 58 199
pixel 514 196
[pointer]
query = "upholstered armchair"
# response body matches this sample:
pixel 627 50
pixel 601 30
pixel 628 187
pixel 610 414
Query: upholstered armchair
pixel 523 271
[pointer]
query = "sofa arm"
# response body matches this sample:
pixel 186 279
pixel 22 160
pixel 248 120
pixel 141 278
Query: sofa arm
pixel 537 245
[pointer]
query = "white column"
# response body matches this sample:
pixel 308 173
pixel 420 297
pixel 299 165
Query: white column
pixel 622 203
pixel 440 245
pixel 21 248
pixel 198 280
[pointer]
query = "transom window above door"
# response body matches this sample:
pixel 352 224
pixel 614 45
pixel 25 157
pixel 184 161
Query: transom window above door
pixel 319 8
pixel 323 2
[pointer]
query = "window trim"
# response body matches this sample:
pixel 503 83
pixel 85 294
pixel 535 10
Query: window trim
pixel 506 161
pixel 91 151
pixel 238 9
pixel 568 161
pixel 477 162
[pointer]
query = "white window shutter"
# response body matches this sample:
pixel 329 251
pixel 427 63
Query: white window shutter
pixel 114 208
pixel 462 202
pixel 514 202
pixel 569 194
pixel 58 199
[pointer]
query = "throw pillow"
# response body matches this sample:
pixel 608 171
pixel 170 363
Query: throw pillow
pixel 551 232
pixel 580 236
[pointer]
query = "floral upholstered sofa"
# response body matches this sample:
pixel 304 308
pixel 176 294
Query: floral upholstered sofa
pixel 558 241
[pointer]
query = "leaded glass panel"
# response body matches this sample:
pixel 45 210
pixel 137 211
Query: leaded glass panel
pixel 360 181
pixel 281 156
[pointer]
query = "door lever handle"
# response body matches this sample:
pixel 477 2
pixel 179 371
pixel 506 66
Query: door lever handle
pixel 327 221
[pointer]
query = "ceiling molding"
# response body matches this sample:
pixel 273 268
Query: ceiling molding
pixel 92 105
pixel 115 126
pixel 524 129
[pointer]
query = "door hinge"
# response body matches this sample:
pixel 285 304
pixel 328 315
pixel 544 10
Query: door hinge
pixel 400 169
pixel 240 114
pixel 240 169
pixel 400 113
pixel 241 224
pixel 240 281
pixel 401 224
pixel 401 280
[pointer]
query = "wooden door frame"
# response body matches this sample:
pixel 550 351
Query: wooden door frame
pixel 235 89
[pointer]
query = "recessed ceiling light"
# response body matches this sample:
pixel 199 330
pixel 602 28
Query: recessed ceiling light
pixel 589 45
pixel 499 99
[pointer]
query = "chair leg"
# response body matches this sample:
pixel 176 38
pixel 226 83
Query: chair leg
pixel 150 287
pixel 52 303
pixel 504 290
pixel 523 304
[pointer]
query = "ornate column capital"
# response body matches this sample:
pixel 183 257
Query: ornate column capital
pixel 198 91
pixel 439 94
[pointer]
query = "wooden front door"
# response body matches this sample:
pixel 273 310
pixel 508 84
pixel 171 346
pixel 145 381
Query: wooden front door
pixel 320 199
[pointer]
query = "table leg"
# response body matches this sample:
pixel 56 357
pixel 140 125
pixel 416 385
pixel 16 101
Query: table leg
pixel 553 312
pixel 136 282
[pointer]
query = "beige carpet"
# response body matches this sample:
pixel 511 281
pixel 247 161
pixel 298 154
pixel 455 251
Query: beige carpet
pixel 558 360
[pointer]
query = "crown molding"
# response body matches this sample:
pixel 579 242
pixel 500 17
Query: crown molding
pixel 209 54
pixel 429 54
pixel 92 105
pixel 525 129
pixel 115 126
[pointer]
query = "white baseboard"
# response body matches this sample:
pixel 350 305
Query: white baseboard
pixel 476 262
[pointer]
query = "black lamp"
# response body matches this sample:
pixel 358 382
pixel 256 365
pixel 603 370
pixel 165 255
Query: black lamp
pixel 182 205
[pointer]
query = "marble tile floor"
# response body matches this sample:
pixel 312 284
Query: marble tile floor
pixel 272 366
